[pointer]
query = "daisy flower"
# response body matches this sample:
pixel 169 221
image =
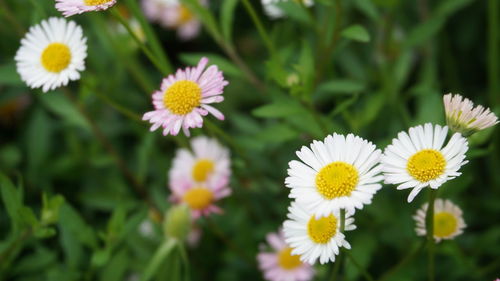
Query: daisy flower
pixel 200 198
pixel 463 117
pixel 418 159
pixel 448 221
pixel 173 15
pixel 73 7
pixel 208 162
pixel 274 11
pixel 185 97
pixel 339 172
pixel 51 54
pixel 315 238
pixel 280 264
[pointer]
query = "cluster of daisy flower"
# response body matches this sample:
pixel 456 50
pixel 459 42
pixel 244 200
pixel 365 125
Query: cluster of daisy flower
pixel 200 177
pixel 336 177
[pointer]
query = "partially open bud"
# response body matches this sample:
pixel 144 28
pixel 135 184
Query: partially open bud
pixel 464 118
pixel 177 222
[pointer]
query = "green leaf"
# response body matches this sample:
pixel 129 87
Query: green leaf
pixel 227 18
pixel 12 200
pixel 225 65
pixel 9 76
pixel 357 33
pixel 368 8
pixel 341 86
pixel 295 11
pixel 278 109
pixel 60 105
pixel 277 133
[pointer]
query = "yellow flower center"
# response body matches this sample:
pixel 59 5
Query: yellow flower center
pixel 337 179
pixel 445 224
pixel 426 165
pixel 202 169
pixel 182 97
pixel 322 230
pixel 198 198
pixel 286 260
pixel 185 15
pixel 56 57
pixel 95 2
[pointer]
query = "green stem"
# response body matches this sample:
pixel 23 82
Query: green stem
pixel 163 68
pixel 336 267
pixel 161 254
pixel 493 51
pixel 429 222
pixel 361 269
pixel 185 260
pixel 151 36
pixel 260 26
pixel 409 257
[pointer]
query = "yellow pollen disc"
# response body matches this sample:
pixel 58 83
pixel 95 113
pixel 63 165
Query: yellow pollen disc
pixel 426 165
pixel 337 179
pixel 322 230
pixel 56 57
pixel 198 198
pixel 95 2
pixel 286 260
pixel 182 97
pixel 202 169
pixel 185 15
pixel 445 224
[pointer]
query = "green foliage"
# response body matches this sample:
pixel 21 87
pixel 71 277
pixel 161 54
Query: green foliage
pixel 84 184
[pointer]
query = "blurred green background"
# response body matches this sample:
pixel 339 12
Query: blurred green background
pixel 86 172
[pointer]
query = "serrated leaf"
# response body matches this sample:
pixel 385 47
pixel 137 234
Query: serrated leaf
pixel 357 33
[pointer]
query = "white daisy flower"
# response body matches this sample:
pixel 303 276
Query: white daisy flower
pixel 463 117
pixel 274 11
pixel 340 172
pixel 448 220
pixel 315 238
pixel 51 54
pixel 73 7
pixel 208 162
pixel 419 159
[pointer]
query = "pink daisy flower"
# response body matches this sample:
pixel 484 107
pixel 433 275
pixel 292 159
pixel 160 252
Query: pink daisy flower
pixel 73 7
pixel 173 15
pixel 207 163
pixel 280 264
pixel 185 97
pixel 200 198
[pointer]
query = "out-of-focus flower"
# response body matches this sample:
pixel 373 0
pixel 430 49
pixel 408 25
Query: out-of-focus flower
pixel 464 118
pixel 207 163
pixel 448 220
pixel 173 15
pixel 314 237
pixel 419 159
pixel 200 198
pixel 280 264
pixel 51 54
pixel 185 97
pixel 273 11
pixel 73 7
pixel 146 228
pixel 339 172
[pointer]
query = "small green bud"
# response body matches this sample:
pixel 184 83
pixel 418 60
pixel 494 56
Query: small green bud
pixel 177 222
